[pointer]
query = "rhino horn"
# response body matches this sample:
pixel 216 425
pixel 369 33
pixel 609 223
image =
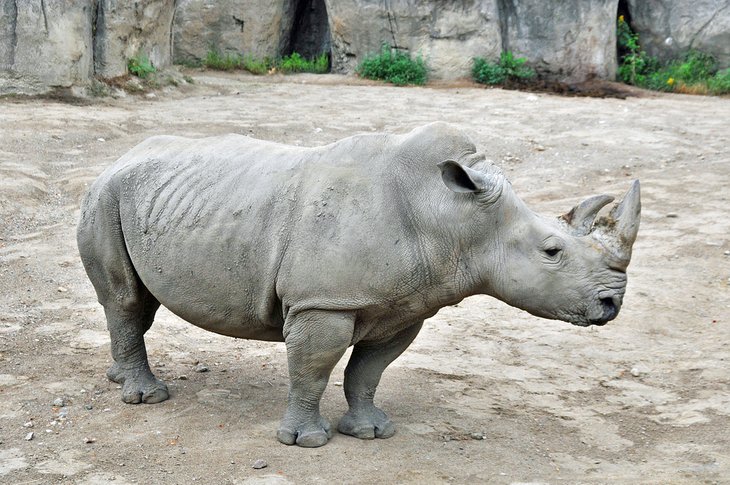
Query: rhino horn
pixel 580 218
pixel 618 230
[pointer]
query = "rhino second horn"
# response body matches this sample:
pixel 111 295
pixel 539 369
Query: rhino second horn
pixel 580 218
pixel 619 229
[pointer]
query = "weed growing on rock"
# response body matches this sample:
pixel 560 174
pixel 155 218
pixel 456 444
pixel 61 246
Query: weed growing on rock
pixel 394 66
pixel 636 65
pixel 140 66
pixel 509 68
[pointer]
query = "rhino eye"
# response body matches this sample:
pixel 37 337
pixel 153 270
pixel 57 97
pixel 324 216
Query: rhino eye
pixel 552 252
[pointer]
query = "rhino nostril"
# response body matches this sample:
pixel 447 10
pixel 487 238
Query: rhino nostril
pixel 610 309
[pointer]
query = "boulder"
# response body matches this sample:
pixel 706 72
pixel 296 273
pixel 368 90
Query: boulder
pixel 128 29
pixel 667 29
pixel 45 44
pixel 448 35
pixel 570 40
pixel 257 28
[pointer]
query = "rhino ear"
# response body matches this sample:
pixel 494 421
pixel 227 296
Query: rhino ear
pixel 463 179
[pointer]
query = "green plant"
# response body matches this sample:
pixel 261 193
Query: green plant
pixel 394 66
pixel 485 72
pixel 222 62
pixel 695 73
pixel 696 67
pixel 140 66
pixel 288 64
pixel 256 66
pixel 509 67
pixel 515 68
pixel 636 67
pixel 293 63
pixel 296 63
pixel 720 82
pixel 321 64
pixel 691 74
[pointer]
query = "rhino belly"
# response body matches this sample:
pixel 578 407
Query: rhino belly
pixel 204 257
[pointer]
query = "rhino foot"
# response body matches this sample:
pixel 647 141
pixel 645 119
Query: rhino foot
pixel 138 385
pixel 307 435
pixel 367 423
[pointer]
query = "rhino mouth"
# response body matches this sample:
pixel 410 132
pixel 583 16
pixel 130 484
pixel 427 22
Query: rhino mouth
pixel 608 307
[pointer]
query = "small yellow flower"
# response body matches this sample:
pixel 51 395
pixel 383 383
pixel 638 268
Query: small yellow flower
pixel 621 19
pixel 670 81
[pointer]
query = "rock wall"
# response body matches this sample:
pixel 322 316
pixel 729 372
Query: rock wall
pixel 669 28
pixel 448 34
pixel 59 43
pixel 125 29
pixel 569 40
pixel 259 28
pixel 45 44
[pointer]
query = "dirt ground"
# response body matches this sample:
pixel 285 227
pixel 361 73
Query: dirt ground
pixel 486 394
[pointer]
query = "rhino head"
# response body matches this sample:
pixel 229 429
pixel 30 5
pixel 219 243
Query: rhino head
pixel 570 268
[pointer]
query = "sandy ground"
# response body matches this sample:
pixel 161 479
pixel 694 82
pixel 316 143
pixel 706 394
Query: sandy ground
pixel 486 394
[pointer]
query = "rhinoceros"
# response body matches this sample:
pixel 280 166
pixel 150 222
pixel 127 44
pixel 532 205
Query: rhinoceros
pixel 355 243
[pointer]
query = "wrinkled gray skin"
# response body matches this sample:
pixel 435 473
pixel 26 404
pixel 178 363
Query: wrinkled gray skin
pixel 353 243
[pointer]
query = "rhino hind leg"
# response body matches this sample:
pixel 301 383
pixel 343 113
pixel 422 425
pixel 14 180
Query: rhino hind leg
pixel 128 305
pixel 315 342
pixel 131 367
pixel 364 420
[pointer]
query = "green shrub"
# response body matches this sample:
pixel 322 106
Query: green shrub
pixel 696 67
pixel 394 66
pixel 695 73
pixel 508 68
pixel 515 68
pixel 720 82
pixel 486 72
pixel 140 66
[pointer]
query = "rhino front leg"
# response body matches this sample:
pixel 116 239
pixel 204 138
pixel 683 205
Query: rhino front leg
pixel 368 361
pixel 315 341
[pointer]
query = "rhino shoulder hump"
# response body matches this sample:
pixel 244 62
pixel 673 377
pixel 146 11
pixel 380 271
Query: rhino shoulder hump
pixel 439 131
